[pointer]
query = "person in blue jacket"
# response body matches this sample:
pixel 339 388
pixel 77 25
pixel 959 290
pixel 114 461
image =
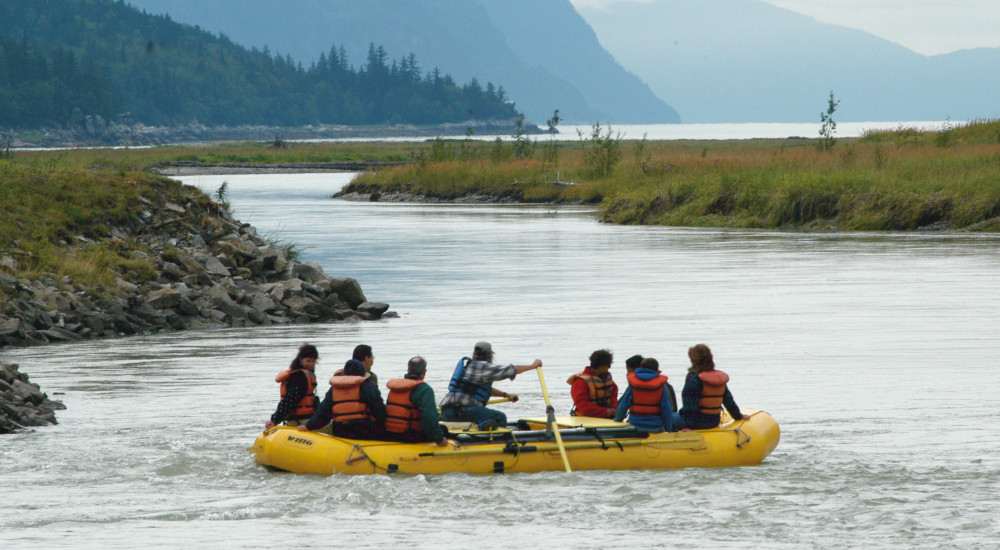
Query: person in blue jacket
pixel 647 403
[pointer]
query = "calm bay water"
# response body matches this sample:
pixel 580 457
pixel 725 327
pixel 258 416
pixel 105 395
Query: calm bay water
pixel 734 130
pixel 877 354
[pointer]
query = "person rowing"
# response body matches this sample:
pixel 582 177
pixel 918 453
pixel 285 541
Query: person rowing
pixel 471 386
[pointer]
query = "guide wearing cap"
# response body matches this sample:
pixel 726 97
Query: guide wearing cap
pixel 471 386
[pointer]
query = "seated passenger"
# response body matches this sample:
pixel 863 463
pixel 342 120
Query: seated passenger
pixel 594 392
pixel 353 405
pixel 632 363
pixel 647 402
pixel 411 413
pixel 705 393
pixel 472 385
pixel 298 389
pixel 364 353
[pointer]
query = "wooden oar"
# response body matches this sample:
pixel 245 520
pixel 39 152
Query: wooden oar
pixel 550 421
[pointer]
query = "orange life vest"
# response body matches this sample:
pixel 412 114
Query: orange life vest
pixel 347 403
pixel 713 388
pixel 646 394
pixel 400 414
pixel 307 405
pixel 599 390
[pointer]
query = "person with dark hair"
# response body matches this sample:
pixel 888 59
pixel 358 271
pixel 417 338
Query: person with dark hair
pixel 298 389
pixel 352 406
pixel 632 363
pixel 471 387
pixel 705 393
pixel 594 393
pixel 364 353
pixel 647 401
pixel 411 413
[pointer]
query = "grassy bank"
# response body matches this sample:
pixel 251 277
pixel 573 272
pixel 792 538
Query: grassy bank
pixel 57 207
pixel 56 221
pixel 892 180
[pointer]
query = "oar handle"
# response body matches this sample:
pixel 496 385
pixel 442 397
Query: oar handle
pixel 550 413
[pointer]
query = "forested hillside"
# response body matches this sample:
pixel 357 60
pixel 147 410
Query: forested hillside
pixel 542 51
pixel 104 57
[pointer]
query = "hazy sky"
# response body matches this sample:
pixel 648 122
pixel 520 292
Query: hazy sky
pixel 925 26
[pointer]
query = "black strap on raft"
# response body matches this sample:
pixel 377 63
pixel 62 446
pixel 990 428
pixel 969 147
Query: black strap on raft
pixel 498 467
pixel 604 444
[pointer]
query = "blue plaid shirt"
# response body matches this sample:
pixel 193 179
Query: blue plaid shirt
pixel 478 372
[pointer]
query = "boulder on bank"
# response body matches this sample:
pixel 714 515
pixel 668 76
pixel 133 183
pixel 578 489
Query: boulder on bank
pixel 22 403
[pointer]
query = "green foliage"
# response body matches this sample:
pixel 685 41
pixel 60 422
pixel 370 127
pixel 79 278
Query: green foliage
pixel 550 153
pixel 943 137
pixel 499 152
pixel 601 150
pixel 221 195
pixel 100 57
pixel 440 151
pixel 523 146
pixel 828 126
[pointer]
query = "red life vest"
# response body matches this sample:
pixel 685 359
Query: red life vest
pixel 599 390
pixel 646 394
pixel 307 405
pixel 400 414
pixel 347 403
pixel 713 388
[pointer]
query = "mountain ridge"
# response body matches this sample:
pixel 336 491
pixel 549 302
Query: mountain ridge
pixel 749 61
pixel 466 39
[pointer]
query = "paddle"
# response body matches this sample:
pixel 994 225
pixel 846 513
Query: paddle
pixel 550 421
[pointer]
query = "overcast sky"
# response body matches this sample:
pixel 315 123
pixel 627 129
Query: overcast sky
pixel 929 27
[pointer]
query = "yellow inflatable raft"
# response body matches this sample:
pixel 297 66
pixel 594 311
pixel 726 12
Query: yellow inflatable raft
pixel 590 444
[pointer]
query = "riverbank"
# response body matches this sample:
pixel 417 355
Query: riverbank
pixel 95 253
pixel 899 180
pixel 22 403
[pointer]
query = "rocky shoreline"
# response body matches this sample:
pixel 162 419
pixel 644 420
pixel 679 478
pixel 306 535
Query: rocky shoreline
pixel 22 403
pixel 209 270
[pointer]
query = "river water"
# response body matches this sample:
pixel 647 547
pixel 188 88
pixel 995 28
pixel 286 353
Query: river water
pixel 876 353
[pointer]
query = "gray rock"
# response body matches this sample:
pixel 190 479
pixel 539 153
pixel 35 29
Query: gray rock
pixel 214 266
pixel 309 272
pixel 164 298
pixel 373 310
pixel 10 326
pixel 240 247
pixel 275 259
pixel 173 270
pixel 58 334
pixel 349 290
pixel 219 295
pixel 28 392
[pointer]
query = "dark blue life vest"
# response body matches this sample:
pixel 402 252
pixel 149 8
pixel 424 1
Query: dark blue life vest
pixel 479 392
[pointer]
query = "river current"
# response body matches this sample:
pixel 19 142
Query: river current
pixel 877 354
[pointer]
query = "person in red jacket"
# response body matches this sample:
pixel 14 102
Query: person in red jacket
pixel 594 392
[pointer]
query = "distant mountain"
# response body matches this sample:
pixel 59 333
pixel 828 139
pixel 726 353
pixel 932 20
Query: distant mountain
pixel 748 61
pixel 541 52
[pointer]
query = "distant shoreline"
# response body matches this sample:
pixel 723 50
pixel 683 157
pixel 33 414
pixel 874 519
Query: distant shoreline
pixel 185 168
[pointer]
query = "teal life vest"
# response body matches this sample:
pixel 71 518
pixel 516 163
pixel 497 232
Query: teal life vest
pixel 478 391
